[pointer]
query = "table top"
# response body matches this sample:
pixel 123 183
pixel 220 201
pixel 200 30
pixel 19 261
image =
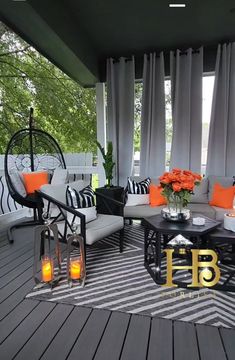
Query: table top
pixel 158 224
pixel 221 234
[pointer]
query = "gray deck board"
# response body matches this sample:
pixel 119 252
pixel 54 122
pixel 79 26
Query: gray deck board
pixel 33 330
pixel 12 301
pixel 90 336
pixel 19 337
pixel 45 333
pixel 113 338
pixel 14 258
pixel 136 342
pixel 12 286
pixel 185 341
pixel 161 340
pixel 11 265
pixel 228 338
pixel 64 340
pixel 15 317
pixel 12 274
pixel 210 343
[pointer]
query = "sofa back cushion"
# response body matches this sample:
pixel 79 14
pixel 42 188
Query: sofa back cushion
pixel 200 195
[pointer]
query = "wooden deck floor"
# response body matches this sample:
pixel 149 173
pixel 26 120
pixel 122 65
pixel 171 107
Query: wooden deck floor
pixel 31 330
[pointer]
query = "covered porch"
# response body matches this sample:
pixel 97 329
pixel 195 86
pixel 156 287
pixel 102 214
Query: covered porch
pixel 150 64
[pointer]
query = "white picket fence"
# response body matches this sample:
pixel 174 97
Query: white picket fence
pixel 79 165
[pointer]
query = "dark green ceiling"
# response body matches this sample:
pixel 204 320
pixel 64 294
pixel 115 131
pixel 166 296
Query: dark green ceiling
pixel 78 35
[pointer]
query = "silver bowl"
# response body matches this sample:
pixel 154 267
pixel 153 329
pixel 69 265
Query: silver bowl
pixel 174 216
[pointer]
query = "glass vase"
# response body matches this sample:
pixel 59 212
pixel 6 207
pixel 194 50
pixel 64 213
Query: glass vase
pixel 175 210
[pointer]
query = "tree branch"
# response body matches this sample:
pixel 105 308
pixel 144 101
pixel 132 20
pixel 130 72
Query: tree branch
pixel 15 51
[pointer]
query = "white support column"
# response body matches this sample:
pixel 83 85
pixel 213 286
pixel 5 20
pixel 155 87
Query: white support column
pixel 101 128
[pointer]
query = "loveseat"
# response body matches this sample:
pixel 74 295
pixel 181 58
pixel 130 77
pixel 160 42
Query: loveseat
pixel 199 201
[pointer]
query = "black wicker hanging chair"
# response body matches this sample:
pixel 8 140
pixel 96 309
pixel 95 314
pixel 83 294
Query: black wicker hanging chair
pixel 30 150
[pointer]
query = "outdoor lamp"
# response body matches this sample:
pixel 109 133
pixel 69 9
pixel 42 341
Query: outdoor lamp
pixel 76 265
pixel 46 257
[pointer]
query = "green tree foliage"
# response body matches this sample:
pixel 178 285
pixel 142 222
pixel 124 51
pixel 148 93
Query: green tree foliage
pixel 138 105
pixel 62 107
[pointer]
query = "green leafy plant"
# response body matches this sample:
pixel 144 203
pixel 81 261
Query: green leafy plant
pixel 108 163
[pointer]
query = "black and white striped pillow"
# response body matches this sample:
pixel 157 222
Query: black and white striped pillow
pixel 80 199
pixel 138 188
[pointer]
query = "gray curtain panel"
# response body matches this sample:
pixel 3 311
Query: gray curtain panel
pixel 120 114
pixel 186 85
pixel 221 146
pixel 153 144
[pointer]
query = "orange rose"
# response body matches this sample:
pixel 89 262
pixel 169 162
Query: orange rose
pixel 188 186
pixel 187 172
pixel 183 178
pixel 176 186
pixel 173 177
pixel 163 176
pixel 176 171
pixel 197 177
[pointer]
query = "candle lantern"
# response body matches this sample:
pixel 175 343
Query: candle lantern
pixel 76 265
pixel 46 259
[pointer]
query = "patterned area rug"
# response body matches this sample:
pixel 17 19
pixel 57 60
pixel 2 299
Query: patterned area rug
pixel 120 282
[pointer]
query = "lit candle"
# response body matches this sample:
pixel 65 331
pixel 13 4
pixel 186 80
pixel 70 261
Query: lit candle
pixel 47 269
pixel 75 268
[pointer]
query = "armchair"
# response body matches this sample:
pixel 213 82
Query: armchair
pixel 65 216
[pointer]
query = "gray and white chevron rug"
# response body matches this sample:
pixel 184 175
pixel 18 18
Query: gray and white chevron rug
pixel 120 282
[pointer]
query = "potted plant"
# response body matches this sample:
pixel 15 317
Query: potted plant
pixel 108 163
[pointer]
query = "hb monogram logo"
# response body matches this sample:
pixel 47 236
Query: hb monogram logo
pixel 204 273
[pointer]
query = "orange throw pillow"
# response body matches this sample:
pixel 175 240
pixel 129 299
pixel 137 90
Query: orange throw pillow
pixel 155 196
pixel 34 180
pixel 222 197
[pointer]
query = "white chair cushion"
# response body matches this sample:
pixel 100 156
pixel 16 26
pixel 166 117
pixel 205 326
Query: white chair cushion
pixel 103 226
pixel 90 213
pixel 58 192
pixel 137 199
pixel 60 176
pixel 18 183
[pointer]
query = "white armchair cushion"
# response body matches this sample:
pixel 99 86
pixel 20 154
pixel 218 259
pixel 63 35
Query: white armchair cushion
pixel 58 192
pixel 103 226
pixel 137 199
pixel 90 213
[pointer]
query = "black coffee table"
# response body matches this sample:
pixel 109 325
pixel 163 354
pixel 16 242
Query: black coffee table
pixel 159 232
pixel 223 241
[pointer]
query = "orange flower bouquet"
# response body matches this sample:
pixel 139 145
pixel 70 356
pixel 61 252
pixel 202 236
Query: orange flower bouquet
pixel 178 186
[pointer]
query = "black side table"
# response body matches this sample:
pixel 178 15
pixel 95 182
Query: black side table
pixel 104 206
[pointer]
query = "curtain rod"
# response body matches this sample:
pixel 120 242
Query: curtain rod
pixel 126 60
pixel 183 52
